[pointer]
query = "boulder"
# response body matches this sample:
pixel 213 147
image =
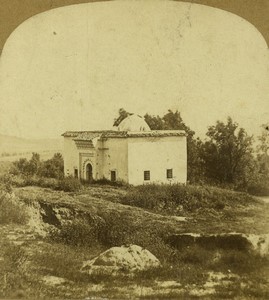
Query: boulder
pixel 260 243
pixel 121 259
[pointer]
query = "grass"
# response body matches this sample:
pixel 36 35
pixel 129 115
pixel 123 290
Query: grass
pixel 12 270
pixel 190 198
pixel 94 219
pixel 67 184
pixel 12 211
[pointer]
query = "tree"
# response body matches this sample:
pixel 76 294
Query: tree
pixel 260 182
pixel 122 115
pixel 227 154
pixel 34 163
pixel 154 122
pixel 26 167
pixel 53 168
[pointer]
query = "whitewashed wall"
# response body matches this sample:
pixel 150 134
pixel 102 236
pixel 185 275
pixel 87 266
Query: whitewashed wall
pixel 115 158
pixel 157 155
pixel 71 157
pixel 75 158
pixel 130 157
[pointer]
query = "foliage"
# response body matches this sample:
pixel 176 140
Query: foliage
pixel 69 184
pixel 122 115
pixel 76 233
pixel 55 256
pixel 25 167
pixel 177 197
pixel 11 211
pixel 52 168
pixel 104 181
pixel 225 158
pixel 260 183
pixel 12 271
pixel 227 155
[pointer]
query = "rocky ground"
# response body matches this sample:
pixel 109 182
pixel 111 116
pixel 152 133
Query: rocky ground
pixel 38 260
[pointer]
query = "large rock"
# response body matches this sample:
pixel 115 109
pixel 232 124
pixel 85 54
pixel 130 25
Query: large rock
pixel 121 259
pixel 260 243
pixel 226 241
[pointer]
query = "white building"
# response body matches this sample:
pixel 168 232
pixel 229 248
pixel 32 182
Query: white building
pixel 133 154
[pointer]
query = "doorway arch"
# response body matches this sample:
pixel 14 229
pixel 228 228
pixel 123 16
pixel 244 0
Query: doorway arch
pixel 89 172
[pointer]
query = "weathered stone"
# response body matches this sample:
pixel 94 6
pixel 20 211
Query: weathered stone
pixel 260 243
pixel 53 280
pixel 226 241
pixel 126 258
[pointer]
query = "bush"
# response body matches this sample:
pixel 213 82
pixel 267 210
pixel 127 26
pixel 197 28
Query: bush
pixel 69 184
pixel 25 167
pixel 77 233
pixel 259 189
pixel 171 198
pixel 6 183
pixel 194 255
pixel 241 262
pixel 11 211
pixel 12 271
pixel 52 168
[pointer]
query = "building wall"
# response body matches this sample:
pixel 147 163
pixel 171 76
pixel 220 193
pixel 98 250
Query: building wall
pixel 130 157
pixel 75 158
pixel 71 157
pixel 87 156
pixel 157 155
pixel 114 158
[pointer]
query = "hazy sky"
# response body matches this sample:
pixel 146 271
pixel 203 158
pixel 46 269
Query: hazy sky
pixel 72 68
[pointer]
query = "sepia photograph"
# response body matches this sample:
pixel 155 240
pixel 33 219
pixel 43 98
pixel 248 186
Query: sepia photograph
pixel 134 149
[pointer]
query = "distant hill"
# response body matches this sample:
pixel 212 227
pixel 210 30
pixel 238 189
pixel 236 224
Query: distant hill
pixel 13 146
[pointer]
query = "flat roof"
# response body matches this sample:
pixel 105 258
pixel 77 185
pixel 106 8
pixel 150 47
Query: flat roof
pixel 89 135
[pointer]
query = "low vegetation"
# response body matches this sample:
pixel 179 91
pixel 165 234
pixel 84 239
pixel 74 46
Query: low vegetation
pixel 92 222
pixel 82 220
pixel 226 157
pixel 177 197
pixel 11 210
pixel 67 184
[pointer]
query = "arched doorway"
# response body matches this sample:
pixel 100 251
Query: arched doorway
pixel 89 172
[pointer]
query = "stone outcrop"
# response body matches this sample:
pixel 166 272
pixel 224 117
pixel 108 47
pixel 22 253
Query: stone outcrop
pixel 121 259
pixel 225 241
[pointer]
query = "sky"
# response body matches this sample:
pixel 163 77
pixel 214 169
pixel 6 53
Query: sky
pixel 72 68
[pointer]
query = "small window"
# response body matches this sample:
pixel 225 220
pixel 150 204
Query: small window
pixel 113 175
pixel 169 173
pixel 146 175
pixel 76 173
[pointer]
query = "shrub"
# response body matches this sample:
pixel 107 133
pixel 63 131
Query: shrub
pixel 171 198
pixel 11 211
pixel 25 167
pixel 194 255
pixel 241 262
pixel 77 233
pixel 115 229
pixel 53 168
pixel 6 183
pixel 13 271
pixel 120 229
pixel 259 189
pixel 69 184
